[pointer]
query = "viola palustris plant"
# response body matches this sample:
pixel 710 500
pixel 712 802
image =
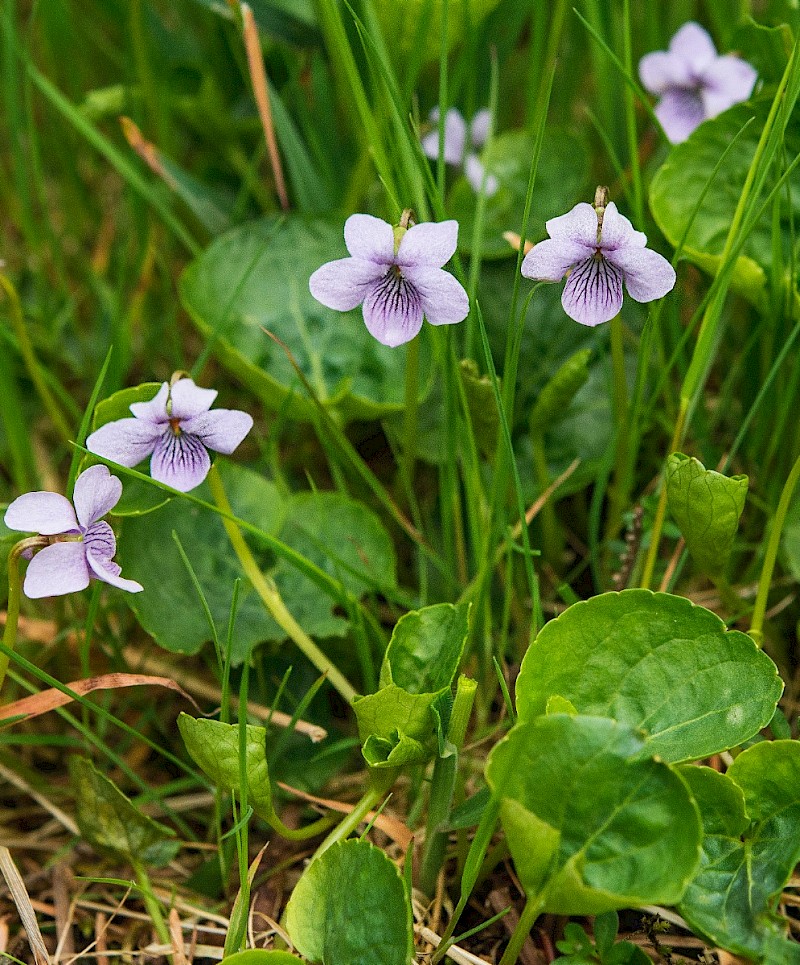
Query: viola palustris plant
pixel 469 640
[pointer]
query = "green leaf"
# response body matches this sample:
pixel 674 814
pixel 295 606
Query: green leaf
pixel 392 710
pixel 560 183
pixel 110 821
pixel 556 397
pixel 290 20
pixel 482 406
pixel 658 664
pixel 400 23
pixel 767 48
pixel 678 184
pixel 255 278
pixel 706 506
pixel 261 956
pixel 751 818
pixel 592 823
pixel 214 747
pixel 351 908
pixel 425 651
pixel 397 750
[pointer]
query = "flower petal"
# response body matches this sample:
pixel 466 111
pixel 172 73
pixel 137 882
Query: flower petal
pixel 660 70
pixel 180 461
pixel 393 310
pixel 551 259
pixel 100 547
pixel 155 410
pixel 618 232
pixel 680 112
pixel 578 225
pixel 455 136
pixel 188 399
pixel 443 299
pixel 727 81
pixel 369 238
pixel 694 46
pixel 345 283
pixel 221 429
pixel 96 492
pixel 474 172
pixel 593 293
pixel 55 570
pixel 479 128
pixel 428 245
pixel 46 513
pixel 126 441
pixel 648 275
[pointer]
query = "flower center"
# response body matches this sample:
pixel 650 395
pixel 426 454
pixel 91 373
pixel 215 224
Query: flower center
pixel 175 425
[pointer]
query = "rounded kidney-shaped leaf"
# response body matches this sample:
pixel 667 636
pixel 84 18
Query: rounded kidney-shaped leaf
pixel 256 277
pixel 657 663
pixel 593 824
pixel 351 908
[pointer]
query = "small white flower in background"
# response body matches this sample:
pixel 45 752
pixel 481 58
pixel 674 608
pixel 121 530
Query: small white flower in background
pixel 693 82
pixel 455 145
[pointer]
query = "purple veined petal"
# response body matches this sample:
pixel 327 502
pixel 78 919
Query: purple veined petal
pixel 618 232
pixel 660 70
pixel 369 239
pixel 593 292
pixel 180 461
pixel 694 46
pixel 727 81
pixel 345 283
pixel 680 112
pixel 155 410
pixel 479 128
pixel 474 173
pixel 220 429
pixel 393 310
pixel 188 399
pixel 55 570
pixel 46 513
pixel 443 299
pixel 100 547
pixel 126 441
pixel 648 275
pixel 455 136
pixel 428 245
pixel 96 492
pixel 578 225
pixel 551 259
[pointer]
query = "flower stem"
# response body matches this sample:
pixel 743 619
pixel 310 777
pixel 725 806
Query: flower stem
pixel 32 363
pixel 270 596
pixel 771 553
pixel 443 783
pixel 12 611
pixel 410 411
pixel 379 783
pixel 151 903
pixel 530 913
pixel 621 411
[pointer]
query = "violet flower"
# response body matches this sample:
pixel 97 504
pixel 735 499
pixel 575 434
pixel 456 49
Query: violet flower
pixel 455 146
pixel 177 429
pixel 397 274
pixel 693 82
pixel 82 546
pixel 599 249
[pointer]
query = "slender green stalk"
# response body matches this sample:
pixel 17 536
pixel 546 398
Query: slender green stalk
pixel 32 363
pixel 151 903
pixel 630 117
pixel 410 411
pixel 622 420
pixel 445 770
pixel 14 596
pixel 380 780
pixel 531 911
pixel 756 630
pixel 271 598
pixel 440 168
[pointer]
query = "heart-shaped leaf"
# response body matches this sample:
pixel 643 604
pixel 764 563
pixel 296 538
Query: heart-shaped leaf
pixel 706 506
pixel 426 648
pixel 751 819
pixel 351 908
pixel 657 663
pixel 593 824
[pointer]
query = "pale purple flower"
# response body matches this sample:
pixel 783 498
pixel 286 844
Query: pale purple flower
pixel 455 146
pixel 693 82
pixel 599 249
pixel 82 546
pixel 397 274
pixel 177 429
